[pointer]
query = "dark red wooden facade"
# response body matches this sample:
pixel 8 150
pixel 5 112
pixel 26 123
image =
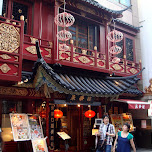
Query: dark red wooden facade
pixel 39 25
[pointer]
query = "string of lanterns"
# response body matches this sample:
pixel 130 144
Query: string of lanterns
pixel 115 36
pixel 64 20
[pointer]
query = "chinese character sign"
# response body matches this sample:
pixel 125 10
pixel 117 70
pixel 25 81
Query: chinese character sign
pixel 150 109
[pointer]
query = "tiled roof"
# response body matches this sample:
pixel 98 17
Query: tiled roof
pixel 128 25
pixel 96 4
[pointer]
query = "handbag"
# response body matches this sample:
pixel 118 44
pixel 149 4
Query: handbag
pixel 101 146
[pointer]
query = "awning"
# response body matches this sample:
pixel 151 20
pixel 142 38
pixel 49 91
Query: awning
pixel 135 104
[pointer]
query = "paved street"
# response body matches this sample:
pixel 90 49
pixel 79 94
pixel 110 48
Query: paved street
pixel 144 150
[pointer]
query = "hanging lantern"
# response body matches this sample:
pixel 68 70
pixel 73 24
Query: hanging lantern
pixel 115 36
pixel 90 114
pixel 64 19
pixel 43 114
pixel 115 60
pixel 58 113
pixel 63 47
pixel 115 49
pixel 64 35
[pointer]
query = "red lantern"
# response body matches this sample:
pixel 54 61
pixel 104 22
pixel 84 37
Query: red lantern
pixel 43 114
pixel 90 114
pixel 58 113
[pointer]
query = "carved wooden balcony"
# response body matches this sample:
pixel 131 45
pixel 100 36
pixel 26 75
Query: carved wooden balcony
pixel 96 61
pixel 29 49
pixel 11 38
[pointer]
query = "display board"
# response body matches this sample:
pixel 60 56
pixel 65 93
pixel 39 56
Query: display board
pixel 35 126
pixel 20 127
pixel 117 121
pixel 127 118
pixel 39 145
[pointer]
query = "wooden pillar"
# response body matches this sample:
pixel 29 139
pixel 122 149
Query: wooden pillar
pixel 106 45
pixel 47 121
pixel 9 7
pixel 55 52
pixel 100 111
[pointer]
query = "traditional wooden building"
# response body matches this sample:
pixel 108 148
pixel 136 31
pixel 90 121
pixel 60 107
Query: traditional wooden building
pixel 84 77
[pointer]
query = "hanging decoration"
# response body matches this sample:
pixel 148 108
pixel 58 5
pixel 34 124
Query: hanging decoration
pixel 63 47
pixel 115 36
pixel 64 20
pixel 115 60
pixel 43 114
pixel 64 35
pixel 90 114
pixel 115 49
pixel 58 113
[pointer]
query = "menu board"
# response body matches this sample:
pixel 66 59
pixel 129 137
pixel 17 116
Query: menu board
pixel 117 121
pixel 39 145
pixel 35 126
pixel 127 118
pixel 20 127
pixel 63 135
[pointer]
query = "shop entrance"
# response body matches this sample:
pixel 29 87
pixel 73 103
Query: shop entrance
pixel 70 124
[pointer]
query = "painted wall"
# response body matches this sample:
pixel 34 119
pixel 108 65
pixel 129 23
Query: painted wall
pixel 111 4
pixel 146 38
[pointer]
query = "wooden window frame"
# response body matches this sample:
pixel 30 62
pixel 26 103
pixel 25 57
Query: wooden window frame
pixel 96 37
pixel 9 11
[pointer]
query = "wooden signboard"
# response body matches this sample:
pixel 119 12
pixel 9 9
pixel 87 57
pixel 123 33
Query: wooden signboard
pixel 20 127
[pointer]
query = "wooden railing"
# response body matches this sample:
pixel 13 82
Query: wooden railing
pixel 29 49
pixel 94 60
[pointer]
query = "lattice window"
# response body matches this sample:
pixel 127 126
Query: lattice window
pixel 120 55
pixel 18 10
pixel 3 5
pixel 84 35
pixel 129 49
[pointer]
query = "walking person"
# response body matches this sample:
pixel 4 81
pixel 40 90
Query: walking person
pixel 106 133
pixel 124 140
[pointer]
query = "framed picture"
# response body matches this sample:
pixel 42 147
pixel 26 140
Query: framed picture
pixel 39 145
pixel 20 127
pixel 35 126
pixel 98 121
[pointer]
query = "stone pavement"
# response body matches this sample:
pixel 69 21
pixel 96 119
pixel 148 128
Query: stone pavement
pixel 143 150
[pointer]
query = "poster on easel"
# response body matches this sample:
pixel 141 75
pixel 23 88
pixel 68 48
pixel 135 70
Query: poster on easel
pixel 127 118
pixel 20 127
pixel 35 126
pixel 39 145
pixel 117 121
